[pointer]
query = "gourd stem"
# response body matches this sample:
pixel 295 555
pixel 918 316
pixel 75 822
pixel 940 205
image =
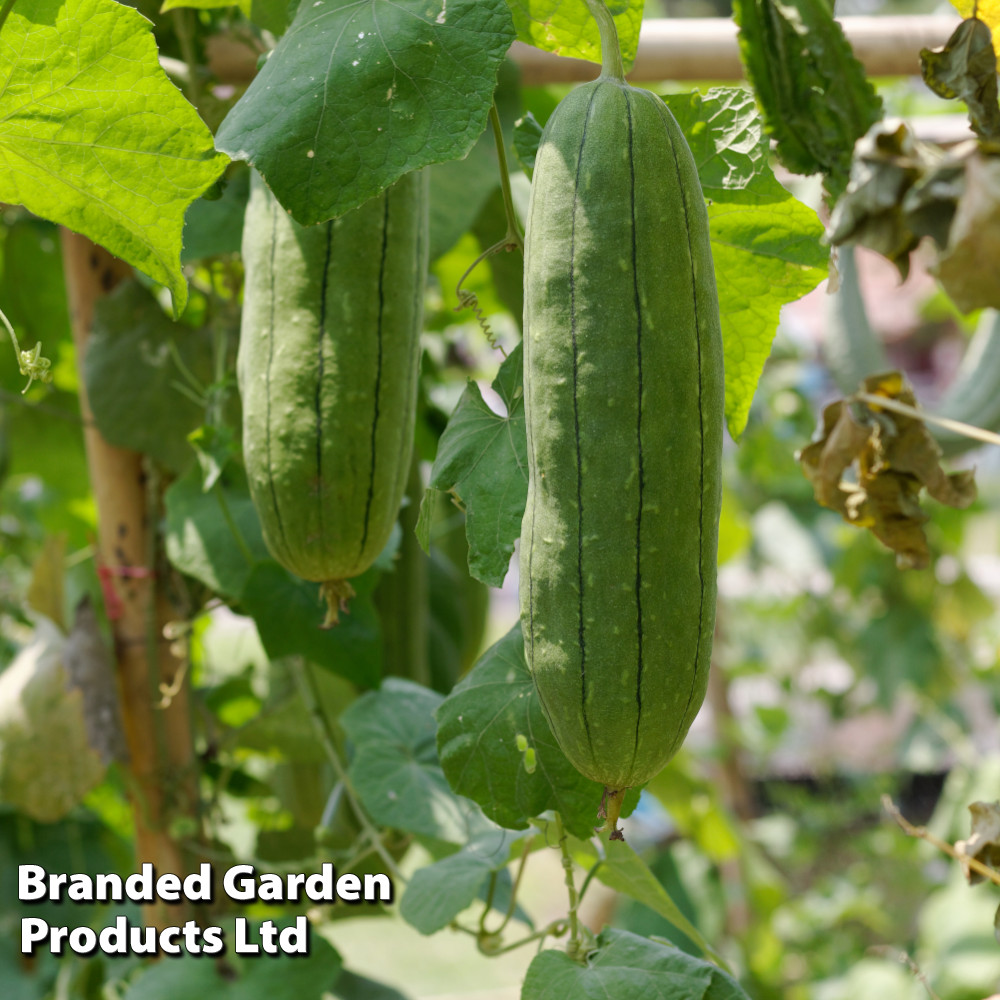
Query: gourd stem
pixel 513 230
pixel 611 54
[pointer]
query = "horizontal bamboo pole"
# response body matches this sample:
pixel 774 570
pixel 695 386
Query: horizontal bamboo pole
pixel 677 48
pixel 705 48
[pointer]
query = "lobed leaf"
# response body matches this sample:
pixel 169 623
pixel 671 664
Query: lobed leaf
pixel 765 242
pixel 95 137
pixel 482 461
pixel 395 767
pixel 478 728
pixel 214 536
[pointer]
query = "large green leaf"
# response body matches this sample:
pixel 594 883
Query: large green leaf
pixel 482 461
pixel 567 27
pixel 765 242
pixel 479 724
pixel 95 137
pixel 359 92
pixel 626 965
pixel 439 892
pixel 395 767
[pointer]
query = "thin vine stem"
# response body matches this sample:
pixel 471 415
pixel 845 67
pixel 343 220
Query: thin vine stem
pixel 512 905
pixel 218 392
pixel 192 381
pixel 513 236
pixel 591 872
pixel 895 955
pixel 490 893
pixel 188 393
pixel 310 696
pixel 574 946
pixel 556 929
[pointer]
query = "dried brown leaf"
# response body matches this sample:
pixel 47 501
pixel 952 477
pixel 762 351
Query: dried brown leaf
pixel 894 458
pixel 825 460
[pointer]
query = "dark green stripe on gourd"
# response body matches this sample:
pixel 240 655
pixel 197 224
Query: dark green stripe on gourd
pixel 328 362
pixel 624 400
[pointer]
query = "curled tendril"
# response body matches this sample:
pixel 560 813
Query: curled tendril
pixel 30 363
pixel 469 300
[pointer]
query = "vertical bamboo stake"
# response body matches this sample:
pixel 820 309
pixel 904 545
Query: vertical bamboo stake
pixel 161 756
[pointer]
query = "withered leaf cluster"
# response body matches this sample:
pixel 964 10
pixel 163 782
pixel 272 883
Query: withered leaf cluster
pixel 893 457
pixel 902 190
